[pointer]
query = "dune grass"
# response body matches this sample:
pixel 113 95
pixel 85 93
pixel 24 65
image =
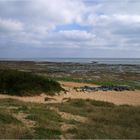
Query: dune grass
pixel 19 83
pixel 11 127
pixel 104 120
pixel 46 122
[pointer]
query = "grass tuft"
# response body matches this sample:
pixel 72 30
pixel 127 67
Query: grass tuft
pixel 46 133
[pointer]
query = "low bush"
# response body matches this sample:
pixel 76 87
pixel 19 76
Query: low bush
pixel 19 83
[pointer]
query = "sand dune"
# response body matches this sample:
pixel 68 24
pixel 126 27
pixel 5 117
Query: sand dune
pixel 119 98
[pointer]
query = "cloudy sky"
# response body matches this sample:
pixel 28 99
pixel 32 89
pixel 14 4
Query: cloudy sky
pixel 69 28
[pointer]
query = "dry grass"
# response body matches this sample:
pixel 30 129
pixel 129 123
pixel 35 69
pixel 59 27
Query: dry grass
pixel 101 120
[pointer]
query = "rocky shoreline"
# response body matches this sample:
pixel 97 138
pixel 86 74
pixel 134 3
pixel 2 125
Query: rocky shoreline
pixel 104 88
pixel 100 74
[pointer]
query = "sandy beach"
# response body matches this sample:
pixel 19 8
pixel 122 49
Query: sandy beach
pixel 118 98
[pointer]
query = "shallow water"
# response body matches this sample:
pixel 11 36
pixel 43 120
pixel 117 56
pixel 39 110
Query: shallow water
pixel 133 61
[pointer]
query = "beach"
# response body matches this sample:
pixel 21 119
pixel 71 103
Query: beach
pixel 104 97
pixel 118 98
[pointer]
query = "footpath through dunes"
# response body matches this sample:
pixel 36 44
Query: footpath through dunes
pixel 116 97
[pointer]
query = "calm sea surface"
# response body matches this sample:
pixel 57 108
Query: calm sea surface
pixel 134 61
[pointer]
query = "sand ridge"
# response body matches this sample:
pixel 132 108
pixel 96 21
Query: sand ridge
pixel 118 98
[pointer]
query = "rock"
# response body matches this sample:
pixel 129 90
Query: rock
pixel 104 88
pixel 49 99
pixel 66 99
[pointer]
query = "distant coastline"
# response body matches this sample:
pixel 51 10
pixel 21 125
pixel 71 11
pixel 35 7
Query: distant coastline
pixel 127 61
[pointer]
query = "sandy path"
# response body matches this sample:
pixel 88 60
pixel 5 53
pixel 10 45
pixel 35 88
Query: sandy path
pixel 74 84
pixel 124 97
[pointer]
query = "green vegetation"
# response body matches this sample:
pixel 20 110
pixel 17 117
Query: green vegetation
pixel 104 120
pixel 39 121
pixel 100 74
pixel 36 121
pixel 6 118
pixel 133 84
pixel 11 127
pixel 19 83
pixel 47 133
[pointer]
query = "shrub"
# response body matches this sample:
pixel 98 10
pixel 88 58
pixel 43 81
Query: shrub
pixel 19 83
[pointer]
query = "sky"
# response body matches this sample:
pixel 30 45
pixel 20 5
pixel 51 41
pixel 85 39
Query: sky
pixel 69 28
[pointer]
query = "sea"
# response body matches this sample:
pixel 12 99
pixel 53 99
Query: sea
pixel 129 61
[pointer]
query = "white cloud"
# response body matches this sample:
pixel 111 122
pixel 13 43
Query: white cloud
pixel 77 35
pixel 127 18
pixel 9 25
pixel 47 13
pixel 116 19
pixel 64 11
pixel 112 24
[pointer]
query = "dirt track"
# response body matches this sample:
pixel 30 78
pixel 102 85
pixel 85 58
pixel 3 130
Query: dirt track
pixel 124 97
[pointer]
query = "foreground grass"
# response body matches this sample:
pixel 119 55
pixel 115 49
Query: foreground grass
pixel 104 120
pixel 10 127
pixel 26 84
pixel 46 122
